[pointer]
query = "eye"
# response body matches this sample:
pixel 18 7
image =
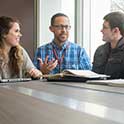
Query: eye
pixel 60 27
pixel 17 30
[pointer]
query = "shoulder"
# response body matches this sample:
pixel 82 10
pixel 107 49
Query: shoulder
pixel 45 46
pixel 23 49
pixel 101 54
pixel 24 52
pixel 103 48
pixel 74 45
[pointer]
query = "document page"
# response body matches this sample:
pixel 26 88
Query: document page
pixel 84 73
pixel 114 82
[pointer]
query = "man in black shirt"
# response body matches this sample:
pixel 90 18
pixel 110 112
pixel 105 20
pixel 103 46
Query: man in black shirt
pixel 109 58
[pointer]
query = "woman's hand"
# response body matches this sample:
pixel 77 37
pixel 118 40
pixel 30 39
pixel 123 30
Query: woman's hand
pixel 35 73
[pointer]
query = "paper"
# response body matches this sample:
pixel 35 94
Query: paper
pixel 84 73
pixel 114 82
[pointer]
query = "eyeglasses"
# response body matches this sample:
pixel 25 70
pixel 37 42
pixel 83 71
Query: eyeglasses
pixel 60 27
pixel 105 27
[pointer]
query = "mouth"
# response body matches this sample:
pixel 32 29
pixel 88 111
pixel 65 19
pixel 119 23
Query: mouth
pixel 17 39
pixel 63 35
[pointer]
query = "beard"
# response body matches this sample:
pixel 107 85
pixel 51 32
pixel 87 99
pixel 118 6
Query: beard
pixel 62 37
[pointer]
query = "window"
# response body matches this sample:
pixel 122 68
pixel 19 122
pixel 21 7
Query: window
pixel 93 13
pixel 86 18
pixel 46 9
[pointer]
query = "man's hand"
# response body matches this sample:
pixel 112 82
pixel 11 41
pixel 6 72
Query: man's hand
pixel 46 67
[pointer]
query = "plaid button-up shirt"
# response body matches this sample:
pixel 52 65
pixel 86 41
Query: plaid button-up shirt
pixel 75 57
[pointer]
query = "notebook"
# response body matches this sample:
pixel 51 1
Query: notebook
pixel 75 75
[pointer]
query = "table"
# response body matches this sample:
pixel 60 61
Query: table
pixel 42 102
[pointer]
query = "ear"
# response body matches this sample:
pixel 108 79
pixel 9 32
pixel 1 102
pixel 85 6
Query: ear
pixel 51 29
pixel 116 30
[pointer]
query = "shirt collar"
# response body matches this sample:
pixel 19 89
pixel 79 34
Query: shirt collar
pixel 120 42
pixel 63 46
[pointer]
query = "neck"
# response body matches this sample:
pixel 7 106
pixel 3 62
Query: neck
pixel 114 42
pixel 59 43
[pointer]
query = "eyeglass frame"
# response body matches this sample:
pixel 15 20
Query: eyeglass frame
pixel 60 27
pixel 105 27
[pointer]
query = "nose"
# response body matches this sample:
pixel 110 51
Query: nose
pixel 101 30
pixel 64 29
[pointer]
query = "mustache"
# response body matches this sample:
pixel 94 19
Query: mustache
pixel 63 34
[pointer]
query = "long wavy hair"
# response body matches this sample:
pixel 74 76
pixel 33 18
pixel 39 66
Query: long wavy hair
pixel 15 53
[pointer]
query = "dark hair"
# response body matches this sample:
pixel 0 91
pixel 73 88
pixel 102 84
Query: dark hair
pixel 116 19
pixel 57 15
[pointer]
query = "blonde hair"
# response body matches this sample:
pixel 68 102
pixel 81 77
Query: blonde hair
pixel 15 59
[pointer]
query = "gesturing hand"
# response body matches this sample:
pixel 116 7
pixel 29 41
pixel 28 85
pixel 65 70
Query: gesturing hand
pixel 47 66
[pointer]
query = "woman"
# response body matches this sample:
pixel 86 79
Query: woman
pixel 14 60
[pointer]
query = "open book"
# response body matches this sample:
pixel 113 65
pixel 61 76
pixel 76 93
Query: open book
pixel 75 75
